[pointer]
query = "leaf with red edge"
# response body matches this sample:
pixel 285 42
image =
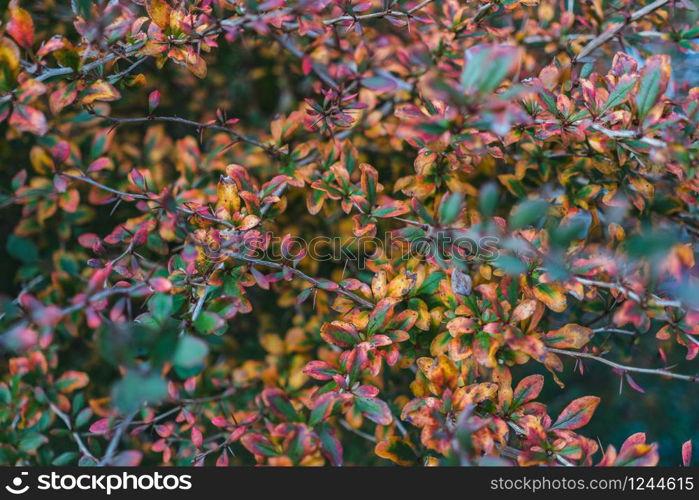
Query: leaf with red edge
pixel 636 453
pixel 320 370
pixel 577 414
pixel 381 315
pixel 527 390
pixel 279 403
pixel 330 445
pixel 322 408
pixel 654 79
pixel 340 333
pixel 374 409
pixel 569 336
pixel 392 208
pixel 258 444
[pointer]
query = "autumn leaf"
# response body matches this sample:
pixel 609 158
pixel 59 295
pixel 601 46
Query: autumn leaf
pixel 159 11
pixel 21 27
pixel 374 409
pixel 339 333
pixel 29 119
pixel 100 91
pixel 528 389
pixel 687 453
pixel 397 450
pixel 552 295
pixel 71 381
pixel 569 336
pixel 654 79
pixel 577 414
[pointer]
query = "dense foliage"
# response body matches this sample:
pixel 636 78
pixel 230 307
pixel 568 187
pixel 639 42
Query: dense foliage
pixel 344 231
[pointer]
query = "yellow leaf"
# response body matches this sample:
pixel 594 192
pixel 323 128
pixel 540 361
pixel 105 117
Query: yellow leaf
pixel 100 91
pixel 570 336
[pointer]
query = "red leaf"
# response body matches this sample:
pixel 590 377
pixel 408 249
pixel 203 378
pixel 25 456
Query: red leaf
pixel 153 101
pixel 197 438
pixel 219 421
pixel 222 460
pixel 102 426
pixel 306 64
pixel 162 285
pixel 60 152
pixel 687 453
pixel 21 27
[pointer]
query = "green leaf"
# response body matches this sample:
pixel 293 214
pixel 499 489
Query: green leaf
pixel 450 207
pixel 619 93
pixel 160 306
pixel 527 213
pixel 136 389
pixel 655 76
pixel 32 441
pixel 374 409
pixel 66 458
pixel 510 264
pixel 484 70
pixel 488 199
pixel 190 352
pixel 22 249
pixel 208 322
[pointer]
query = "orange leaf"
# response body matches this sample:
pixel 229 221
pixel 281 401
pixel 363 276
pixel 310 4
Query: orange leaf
pixel 100 91
pixel 71 381
pixel 159 11
pixel 569 336
pixel 551 295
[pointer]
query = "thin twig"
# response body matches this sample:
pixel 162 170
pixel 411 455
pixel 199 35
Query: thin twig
pixel 128 196
pixel 66 419
pixel 275 265
pixel 625 368
pixel 654 300
pixel 111 449
pixel 183 121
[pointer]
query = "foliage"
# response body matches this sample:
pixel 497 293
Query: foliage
pixel 513 186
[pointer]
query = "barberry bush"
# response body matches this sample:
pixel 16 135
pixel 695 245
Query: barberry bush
pixel 347 231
